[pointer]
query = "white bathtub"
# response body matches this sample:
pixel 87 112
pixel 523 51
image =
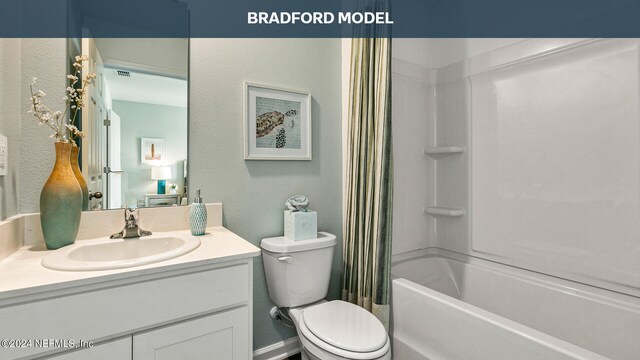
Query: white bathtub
pixel 449 306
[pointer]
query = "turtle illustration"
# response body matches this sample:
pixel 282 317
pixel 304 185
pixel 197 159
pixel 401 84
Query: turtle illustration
pixel 265 123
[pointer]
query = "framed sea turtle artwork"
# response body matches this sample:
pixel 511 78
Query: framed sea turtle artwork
pixel 277 123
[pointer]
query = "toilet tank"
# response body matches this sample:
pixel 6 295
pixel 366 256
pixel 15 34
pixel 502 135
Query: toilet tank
pixel 298 272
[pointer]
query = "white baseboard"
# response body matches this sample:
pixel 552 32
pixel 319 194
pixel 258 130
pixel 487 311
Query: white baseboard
pixel 278 351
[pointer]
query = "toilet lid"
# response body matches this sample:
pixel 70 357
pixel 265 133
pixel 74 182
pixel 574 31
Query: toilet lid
pixel 345 326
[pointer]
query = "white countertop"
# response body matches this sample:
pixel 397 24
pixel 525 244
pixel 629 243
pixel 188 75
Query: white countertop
pixel 23 278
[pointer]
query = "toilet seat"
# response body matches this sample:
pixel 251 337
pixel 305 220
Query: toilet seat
pixel 344 330
pixel 345 326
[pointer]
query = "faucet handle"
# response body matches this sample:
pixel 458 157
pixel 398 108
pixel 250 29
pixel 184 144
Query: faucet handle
pixel 131 214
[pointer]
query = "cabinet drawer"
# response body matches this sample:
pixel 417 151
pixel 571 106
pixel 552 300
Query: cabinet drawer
pixel 223 336
pixel 100 314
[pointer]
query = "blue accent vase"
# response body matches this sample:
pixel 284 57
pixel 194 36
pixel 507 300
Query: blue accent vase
pixel 162 186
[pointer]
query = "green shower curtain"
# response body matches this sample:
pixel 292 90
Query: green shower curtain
pixel 369 178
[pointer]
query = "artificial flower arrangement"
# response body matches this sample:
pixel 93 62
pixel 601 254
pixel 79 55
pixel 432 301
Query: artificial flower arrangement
pixel 63 128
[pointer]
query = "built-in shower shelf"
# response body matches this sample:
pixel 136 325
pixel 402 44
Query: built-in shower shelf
pixel 442 151
pixel 437 211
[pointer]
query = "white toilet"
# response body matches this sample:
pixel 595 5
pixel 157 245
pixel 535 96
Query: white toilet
pixel 298 275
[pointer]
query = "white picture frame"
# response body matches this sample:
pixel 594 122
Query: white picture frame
pixel 277 123
pixel 156 157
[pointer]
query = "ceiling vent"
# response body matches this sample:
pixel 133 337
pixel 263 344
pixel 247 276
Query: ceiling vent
pixel 124 73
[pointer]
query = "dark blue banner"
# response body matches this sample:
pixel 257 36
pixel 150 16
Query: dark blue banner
pixel 319 18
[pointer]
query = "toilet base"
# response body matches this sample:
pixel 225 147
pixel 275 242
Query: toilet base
pixel 306 355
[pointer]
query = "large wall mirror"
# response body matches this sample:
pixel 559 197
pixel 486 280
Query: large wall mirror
pixel 135 121
pixel 135 118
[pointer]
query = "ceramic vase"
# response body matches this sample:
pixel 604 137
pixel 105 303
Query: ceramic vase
pixel 61 202
pixel 75 151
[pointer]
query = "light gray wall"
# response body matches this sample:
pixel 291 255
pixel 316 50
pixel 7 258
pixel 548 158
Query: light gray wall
pixel 140 120
pixel 254 192
pixel 10 117
pixel 46 60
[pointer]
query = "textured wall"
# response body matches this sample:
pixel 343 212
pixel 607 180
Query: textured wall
pixel 140 120
pixel 46 60
pixel 253 192
pixel 10 86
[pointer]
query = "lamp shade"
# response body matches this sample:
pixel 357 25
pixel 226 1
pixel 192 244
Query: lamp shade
pixel 161 173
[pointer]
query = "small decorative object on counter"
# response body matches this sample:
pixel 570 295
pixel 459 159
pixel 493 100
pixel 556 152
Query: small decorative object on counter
pixel 198 216
pixel 299 222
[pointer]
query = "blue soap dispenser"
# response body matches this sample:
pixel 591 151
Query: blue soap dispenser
pixel 198 216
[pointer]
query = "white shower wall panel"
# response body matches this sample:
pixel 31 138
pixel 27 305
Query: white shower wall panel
pixel 550 179
pixel 556 163
pixel 409 116
pixel 451 175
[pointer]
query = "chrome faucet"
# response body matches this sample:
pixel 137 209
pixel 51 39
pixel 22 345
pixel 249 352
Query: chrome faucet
pixel 131 228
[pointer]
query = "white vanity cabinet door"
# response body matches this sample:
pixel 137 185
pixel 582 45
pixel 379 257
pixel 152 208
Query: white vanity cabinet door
pixel 114 350
pixel 221 336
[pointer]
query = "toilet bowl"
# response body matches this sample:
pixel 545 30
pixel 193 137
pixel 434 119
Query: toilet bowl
pixel 339 330
pixel 298 274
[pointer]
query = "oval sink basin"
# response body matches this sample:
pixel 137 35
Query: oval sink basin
pixel 119 253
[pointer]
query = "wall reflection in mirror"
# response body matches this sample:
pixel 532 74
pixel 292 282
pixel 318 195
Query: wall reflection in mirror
pixel 134 153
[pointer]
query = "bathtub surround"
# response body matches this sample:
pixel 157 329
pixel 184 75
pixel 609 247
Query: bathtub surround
pixel 509 181
pixel 581 221
pixel 369 179
pixel 471 87
pixel 515 167
pixel 415 71
pixel 254 191
pixel 410 102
